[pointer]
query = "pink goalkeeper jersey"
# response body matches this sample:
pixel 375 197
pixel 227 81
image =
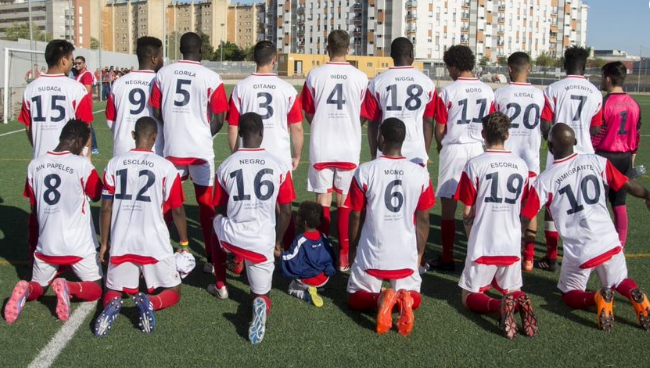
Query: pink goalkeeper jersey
pixel 276 101
pixel 407 94
pixel 188 93
pixel 621 130
pixel 577 102
pixel 495 184
pixel 574 189
pixel 140 182
pixel 333 93
pixel 523 103
pixel 461 106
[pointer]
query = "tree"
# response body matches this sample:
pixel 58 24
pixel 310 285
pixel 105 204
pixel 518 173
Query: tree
pixel 94 43
pixel 249 53
pixel 21 30
pixel 596 63
pixel 502 61
pixel 173 51
pixel 545 60
pixel 231 52
pixel 484 61
pixel 208 50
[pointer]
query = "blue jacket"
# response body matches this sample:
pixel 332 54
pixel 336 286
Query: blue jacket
pixel 309 255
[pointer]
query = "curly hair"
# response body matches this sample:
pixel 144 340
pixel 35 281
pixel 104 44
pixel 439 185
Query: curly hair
pixel 311 213
pixel 575 57
pixel 495 127
pixel 460 57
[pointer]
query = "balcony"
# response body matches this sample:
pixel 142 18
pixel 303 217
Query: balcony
pixel 502 20
pixel 464 15
pixel 357 32
pixel 464 29
pixel 301 20
pixel 358 19
pixel 411 15
pixel 501 8
pixel 465 4
pixel 358 7
pixel 300 10
pixel 411 4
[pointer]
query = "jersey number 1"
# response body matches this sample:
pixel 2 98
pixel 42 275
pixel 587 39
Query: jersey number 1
pixel 258 183
pixel 122 174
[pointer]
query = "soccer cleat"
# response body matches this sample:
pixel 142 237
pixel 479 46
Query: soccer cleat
pixel 344 262
pixel 437 264
pixel 236 267
pixel 207 268
pixel 221 293
pixel 312 296
pixel 105 320
pixel 528 318
pixel 605 307
pixel 527 266
pixel 642 307
pixel 385 305
pixel 406 318
pixel 95 151
pixel 546 264
pixel 506 316
pixel 60 287
pixel 16 301
pixel 145 309
pixel 258 325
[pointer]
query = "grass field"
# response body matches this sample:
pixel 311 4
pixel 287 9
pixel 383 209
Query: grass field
pixel 204 331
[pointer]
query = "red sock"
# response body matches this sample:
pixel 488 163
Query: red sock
pixel 290 234
pixel 481 303
pixel 552 239
pixel 325 226
pixel 578 299
pixel 363 300
pixel 417 299
pixel 35 291
pixel 206 215
pixel 87 290
pixel 529 250
pixel 165 299
pixel 447 235
pixel 517 294
pixel 620 222
pixel 32 235
pixel 625 288
pixel 268 303
pixel 219 264
pixel 343 225
pixel 110 295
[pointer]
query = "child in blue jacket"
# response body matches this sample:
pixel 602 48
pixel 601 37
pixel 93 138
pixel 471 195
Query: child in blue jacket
pixel 310 260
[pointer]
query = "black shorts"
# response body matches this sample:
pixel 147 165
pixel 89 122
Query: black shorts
pixel 622 161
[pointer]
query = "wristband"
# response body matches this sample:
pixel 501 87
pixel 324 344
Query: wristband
pixel 184 243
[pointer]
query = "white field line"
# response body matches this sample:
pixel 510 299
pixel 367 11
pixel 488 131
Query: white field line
pixel 22 130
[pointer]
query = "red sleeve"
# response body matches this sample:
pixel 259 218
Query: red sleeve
pixel 94 186
pixel 356 200
pixel 533 204
pixel 597 119
pixel 430 109
pixel 220 197
pixel 547 113
pixel 25 116
pixel 219 101
pixel 370 108
pixel 427 199
pixel 295 115
pixel 441 111
pixel 307 100
pixel 109 188
pixel 492 108
pixel 615 179
pixel 156 96
pixel 176 196
pixel 110 108
pixel 85 109
pixel 28 193
pixel 233 113
pixel 466 192
pixel 286 194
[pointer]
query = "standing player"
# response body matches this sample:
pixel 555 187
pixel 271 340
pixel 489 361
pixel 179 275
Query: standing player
pixel 59 184
pixel 573 189
pixel 250 184
pixel 85 77
pixel 492 188
pixel 138 184
pixel 523 103
pixel 332 98
pixel 405 93
pixel 127 101
pixel 576 102
pixel 620 135
pixel 396 195
pixel 190 101
pixel 460 108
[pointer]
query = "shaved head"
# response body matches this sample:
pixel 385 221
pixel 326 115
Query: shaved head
pixel 561 140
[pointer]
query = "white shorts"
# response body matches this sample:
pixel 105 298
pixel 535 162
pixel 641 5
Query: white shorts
pixel 476 277
pixel 127 275
pixel 453 158
pixel 328 180
pixel 361 281
pixel 260 276
pixel 610 273
pixel 202 174
pixel 88 269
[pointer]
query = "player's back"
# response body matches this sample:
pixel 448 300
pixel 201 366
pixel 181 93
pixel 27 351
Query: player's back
pixel 523 103
pixel 406 93
pixel 334 93
pixel 461 106
pixel 622 117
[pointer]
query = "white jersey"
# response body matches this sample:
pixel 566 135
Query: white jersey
pixel 495 184
pixel 126 104
pixel 577 102
pixel 250 182
pixel 59 184
pixel 276 101
pixel 333 93
pixel 407 94
pixel 49 102
pixel 187 94
pixel 523 104
pixel 391 190
pixel 141 183
pixel 575 191
pixel 461 106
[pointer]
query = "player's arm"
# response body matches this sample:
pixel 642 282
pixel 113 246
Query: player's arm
pixel 233 137
pixel 216 122
pixel 441 130
pixel 427 129
pixel 105 215
pixel 297 141
pixel 547 115
pixel 307 102
pixel 157 113
pixel 155 101
pixel 422 228
pixel 356 222
pixel 286 195
pixel 28 130
pixel 373 133
pixel 468 219
pixel 637 190
pixel 356 202
pixel 180 221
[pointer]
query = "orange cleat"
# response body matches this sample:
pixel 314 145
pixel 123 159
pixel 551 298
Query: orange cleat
pixel 385 305
pixel 528 318
pixel 406 318
pixel 605 306
pixel 507 322
pixel 642 307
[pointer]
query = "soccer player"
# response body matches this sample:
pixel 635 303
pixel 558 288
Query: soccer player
pixel 523 103
pixel 574 189
pixel 137 185
pixel 127 101
pixel 389 242
pixel 59 184
pixel 250 184
pixel 492 188
pixel 85 77
pixel 576 102
pixel 332 98
pixel 619 137
pixel 459 110
pixel 405 93
pixel 190 102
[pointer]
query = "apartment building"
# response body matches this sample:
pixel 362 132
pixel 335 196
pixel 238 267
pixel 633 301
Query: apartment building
pixel 244 24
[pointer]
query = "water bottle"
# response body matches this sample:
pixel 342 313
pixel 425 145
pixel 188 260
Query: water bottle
pixel 639 170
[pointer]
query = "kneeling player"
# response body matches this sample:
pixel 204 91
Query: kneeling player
pixel 249 183
pixel 573 188
pixel 491 188
pixel 58 185
pixel 138 184
pixel 394 192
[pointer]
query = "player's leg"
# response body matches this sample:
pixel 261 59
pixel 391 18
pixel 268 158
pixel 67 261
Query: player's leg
pixel 342 182
pixel 307 289
pixel 475 279
pixel 508 279
pixel 623 163
pixel 163 275
pixel 549 262
pixel 408 300
pixel 321 182
pixel 219 288
pixel 529 245
pixel 24 291
pixel 121 278
pixel 203 178
pixel 613 274
pixel 260 276
pixel 365 293
pixel 447 236
pixel 112 303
